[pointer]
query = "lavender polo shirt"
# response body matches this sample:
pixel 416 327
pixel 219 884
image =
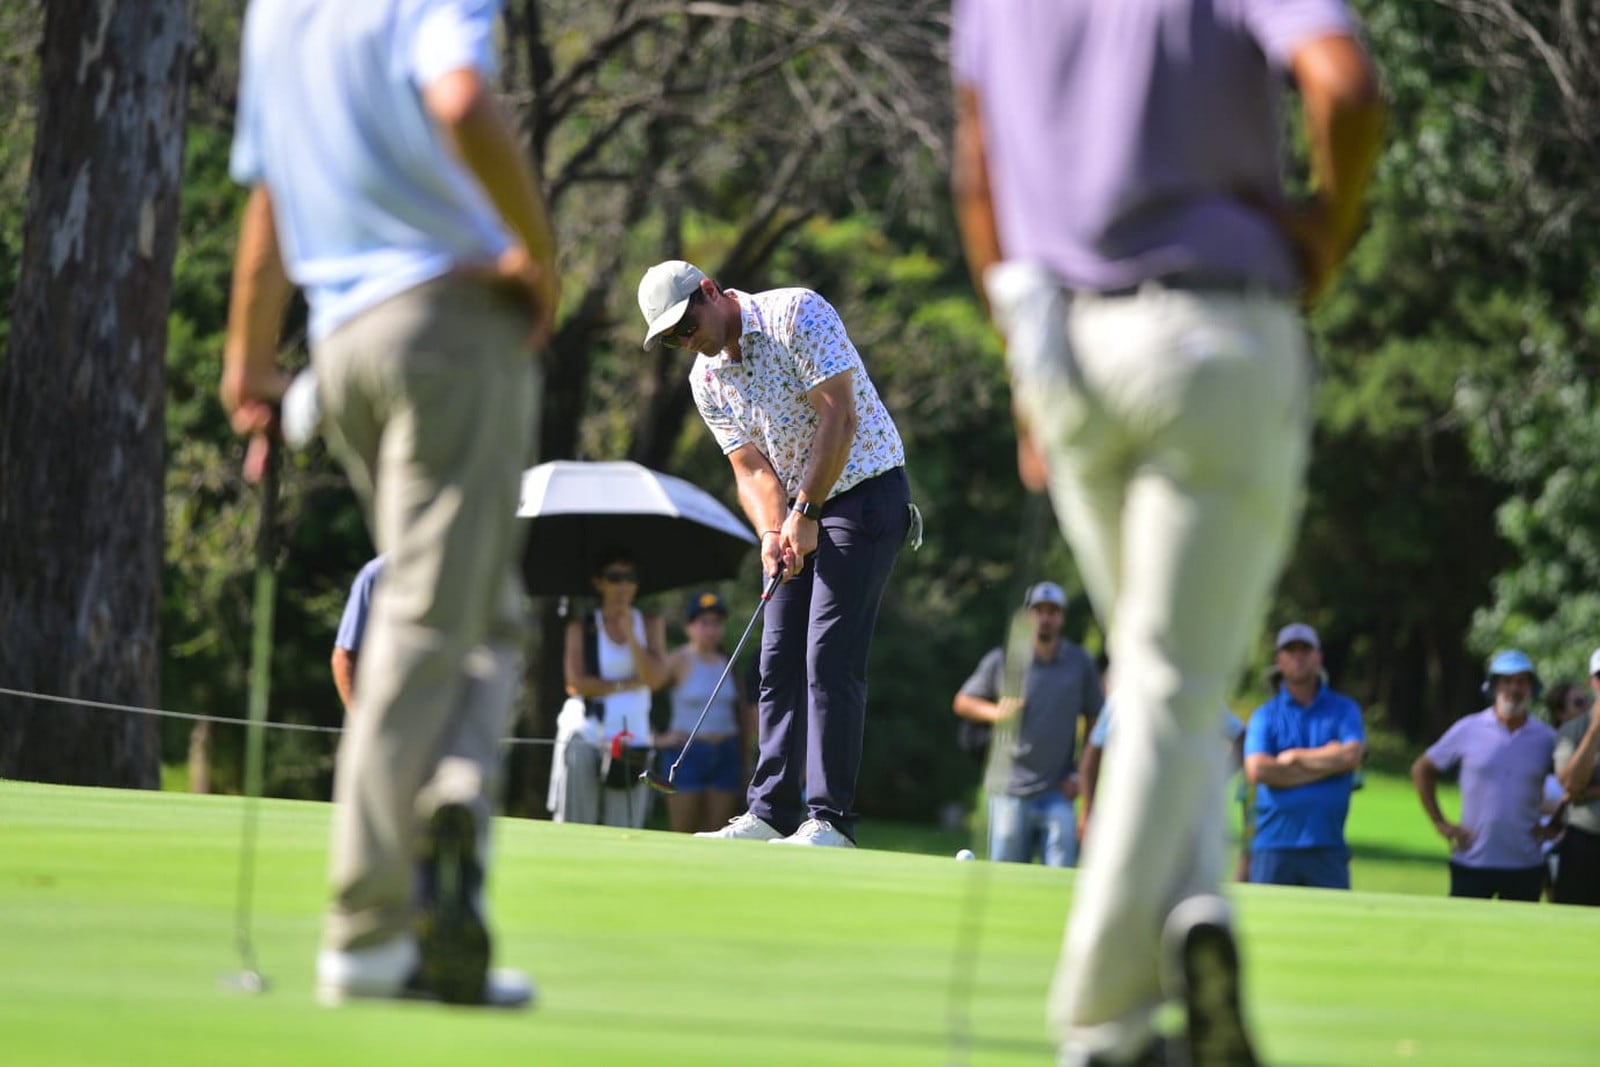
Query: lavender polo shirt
pixel 1502 782
pixel 1125 137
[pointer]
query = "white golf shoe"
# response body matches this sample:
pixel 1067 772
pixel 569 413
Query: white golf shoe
pixel 819 832
pixel 746 827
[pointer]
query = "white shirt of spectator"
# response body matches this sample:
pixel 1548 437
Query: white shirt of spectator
pixel 791 341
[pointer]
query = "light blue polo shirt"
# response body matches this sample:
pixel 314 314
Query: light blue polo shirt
pixel 368 200
pixel 1310 815
pixel 353 623
pixel 1502 784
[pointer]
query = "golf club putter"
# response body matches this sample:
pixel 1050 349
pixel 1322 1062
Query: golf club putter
pixel 664 785
pixel 250 979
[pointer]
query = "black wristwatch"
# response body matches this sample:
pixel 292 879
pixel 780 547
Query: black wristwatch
pixel 807 510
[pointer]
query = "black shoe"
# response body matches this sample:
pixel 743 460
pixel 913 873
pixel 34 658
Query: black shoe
pixel 1157 1053
pixel 450 932
pixel 1208 964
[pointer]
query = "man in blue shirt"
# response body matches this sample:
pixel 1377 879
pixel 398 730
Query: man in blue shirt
pixel 387 184
pixel 1301 750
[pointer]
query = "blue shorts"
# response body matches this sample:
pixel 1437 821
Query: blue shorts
pixel 709 765
pixel 1320 868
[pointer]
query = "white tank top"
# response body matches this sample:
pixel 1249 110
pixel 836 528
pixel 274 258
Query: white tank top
pixel 630 709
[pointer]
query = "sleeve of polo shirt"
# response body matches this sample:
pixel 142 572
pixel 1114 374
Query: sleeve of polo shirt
pixel 985 681
pixel 1282 26
pixel 1445 753
pixel 244 160
pixel 454 35
pixel 1102 726
pixel 817 342
pixel 1256 741
pixel 724 429
pixel 1351 728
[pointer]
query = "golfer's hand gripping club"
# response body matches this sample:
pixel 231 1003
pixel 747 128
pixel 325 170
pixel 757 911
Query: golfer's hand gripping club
pixel 665 785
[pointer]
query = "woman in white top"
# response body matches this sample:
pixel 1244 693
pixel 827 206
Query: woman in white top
pixel 711 778
pixel 631 653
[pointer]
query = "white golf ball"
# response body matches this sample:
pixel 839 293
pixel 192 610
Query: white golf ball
pixel 965 854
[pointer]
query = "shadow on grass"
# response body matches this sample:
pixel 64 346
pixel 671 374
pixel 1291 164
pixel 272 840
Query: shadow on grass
pixel 1410 857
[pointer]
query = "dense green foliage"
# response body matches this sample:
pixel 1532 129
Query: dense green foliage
pixel 1452 503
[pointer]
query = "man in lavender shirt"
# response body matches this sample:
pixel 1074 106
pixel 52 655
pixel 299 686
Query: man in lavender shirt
pixel 1118 190
pixel 1504 754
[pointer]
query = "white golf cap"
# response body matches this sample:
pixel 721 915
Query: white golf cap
pixel 1296 632
pixel 1594 662
pixel 1045 593
pixel 664 294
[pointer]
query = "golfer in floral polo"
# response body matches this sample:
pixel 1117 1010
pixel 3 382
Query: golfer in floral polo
pixel 821 473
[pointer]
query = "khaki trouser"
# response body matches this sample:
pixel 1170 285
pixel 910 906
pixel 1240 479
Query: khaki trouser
pixel 430 401
pixel 1175 428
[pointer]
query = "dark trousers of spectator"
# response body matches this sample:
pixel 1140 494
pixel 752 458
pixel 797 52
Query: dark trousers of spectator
pixel 1507 883
pixel 1578 876
pixel 814 642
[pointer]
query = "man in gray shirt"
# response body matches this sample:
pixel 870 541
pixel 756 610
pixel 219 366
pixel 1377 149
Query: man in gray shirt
pixel 1577 746
pixel 1117 184
pixel 1031 811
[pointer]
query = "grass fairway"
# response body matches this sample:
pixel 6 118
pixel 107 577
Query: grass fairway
pixel 116 914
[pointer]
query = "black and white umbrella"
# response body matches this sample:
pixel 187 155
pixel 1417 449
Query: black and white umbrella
pixel 677 534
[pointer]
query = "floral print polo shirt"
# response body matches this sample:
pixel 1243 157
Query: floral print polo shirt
pixel 791 341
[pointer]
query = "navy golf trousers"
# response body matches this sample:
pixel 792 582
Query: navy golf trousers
pixel 814 643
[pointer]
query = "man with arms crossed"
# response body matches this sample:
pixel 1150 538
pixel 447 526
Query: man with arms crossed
pixel 1117 183
pixel 821 473
pixel 385 182
pixel 1301 750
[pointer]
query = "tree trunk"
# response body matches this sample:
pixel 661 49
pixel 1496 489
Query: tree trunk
pixel 82 406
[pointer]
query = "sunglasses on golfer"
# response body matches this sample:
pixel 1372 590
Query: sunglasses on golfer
pixel 619 576
pixel 687 325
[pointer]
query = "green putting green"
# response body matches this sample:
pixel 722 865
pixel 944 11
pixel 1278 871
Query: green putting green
pixel 116 924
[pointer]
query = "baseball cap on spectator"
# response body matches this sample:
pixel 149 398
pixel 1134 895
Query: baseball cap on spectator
pixel 1594 662
pixel 701 603
pixel 1045 593
pixel 1296 631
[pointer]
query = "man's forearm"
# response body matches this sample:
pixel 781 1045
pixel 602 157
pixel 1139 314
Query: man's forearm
pixel 1578 774
pixel 1283 776
pixel 974 203
pixel 976 709
pixel 485 142
pixel 260 292
pixel 1335 757
pixel 1344 113
pixel 1426 781
pixel 830 449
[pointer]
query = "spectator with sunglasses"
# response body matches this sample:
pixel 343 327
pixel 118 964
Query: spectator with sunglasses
pixel 615 657
pixel 820 471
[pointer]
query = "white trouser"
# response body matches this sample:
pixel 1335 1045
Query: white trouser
pixel 1174 425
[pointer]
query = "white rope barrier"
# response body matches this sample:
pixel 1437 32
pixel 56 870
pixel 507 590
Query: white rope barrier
pixel 189 716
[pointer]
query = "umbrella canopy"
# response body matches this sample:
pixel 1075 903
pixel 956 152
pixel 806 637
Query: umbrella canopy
pixel 677 533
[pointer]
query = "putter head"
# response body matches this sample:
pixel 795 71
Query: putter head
pixel 658 783
pixel 249 981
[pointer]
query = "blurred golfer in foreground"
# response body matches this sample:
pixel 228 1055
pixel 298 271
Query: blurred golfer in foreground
pixel 386 183
pixel 1117 184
